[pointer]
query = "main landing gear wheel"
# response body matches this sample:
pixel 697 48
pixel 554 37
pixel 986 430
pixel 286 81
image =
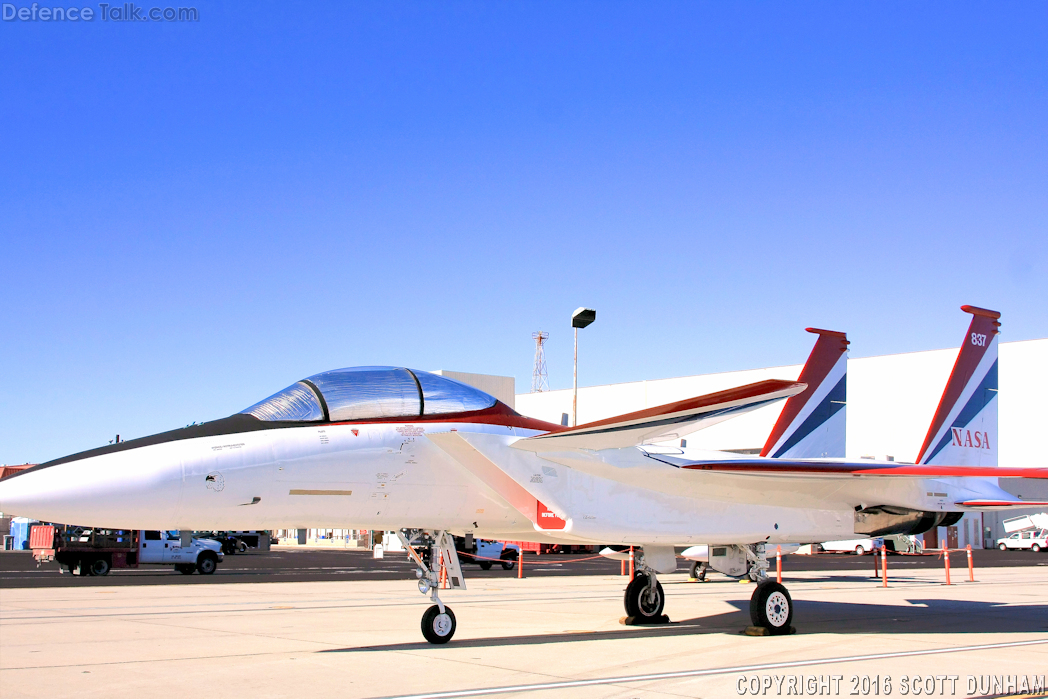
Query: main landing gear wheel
pixel 697 571
pixel 436 627
pixel 772 608
pixel 642 603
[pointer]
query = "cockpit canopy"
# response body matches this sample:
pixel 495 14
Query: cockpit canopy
pixel 370 392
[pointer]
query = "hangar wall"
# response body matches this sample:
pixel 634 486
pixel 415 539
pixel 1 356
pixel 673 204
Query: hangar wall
pixel 891 400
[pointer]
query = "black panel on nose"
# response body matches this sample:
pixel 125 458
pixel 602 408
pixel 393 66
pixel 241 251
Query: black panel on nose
pixel 233 424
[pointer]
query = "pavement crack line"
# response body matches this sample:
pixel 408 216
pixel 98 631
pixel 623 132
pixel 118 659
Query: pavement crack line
pixel 567 684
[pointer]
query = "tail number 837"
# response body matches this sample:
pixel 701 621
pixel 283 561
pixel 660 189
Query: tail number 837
pixel 978 339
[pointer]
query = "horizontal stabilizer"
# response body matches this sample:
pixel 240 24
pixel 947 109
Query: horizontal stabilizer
pixel 664 422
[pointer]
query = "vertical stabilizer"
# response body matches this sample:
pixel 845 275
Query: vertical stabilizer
pixel 964 429
pixel 812 423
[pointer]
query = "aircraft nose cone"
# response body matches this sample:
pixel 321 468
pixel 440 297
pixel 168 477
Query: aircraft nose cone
pixel 119 490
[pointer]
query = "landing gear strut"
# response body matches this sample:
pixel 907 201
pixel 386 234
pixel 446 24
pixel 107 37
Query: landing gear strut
pixel 438 622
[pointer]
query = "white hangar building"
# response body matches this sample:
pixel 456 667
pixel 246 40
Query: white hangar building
pixel 891 400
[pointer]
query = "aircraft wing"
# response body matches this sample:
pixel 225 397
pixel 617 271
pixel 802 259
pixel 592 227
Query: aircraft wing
pixel 664 422
pixel 766 470
pixel 455 446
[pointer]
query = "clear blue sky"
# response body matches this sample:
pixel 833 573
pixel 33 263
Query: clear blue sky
pixel 194 215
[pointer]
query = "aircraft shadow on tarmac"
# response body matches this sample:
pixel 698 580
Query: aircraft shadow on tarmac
pixel 922 616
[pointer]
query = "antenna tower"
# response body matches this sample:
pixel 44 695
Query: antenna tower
pixel 539 378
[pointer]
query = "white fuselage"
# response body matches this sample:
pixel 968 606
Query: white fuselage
pixel 389 476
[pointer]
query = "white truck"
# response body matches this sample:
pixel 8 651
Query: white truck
pixel 486 553
pixel 1026 532
pixel 857 546
pixel 91 551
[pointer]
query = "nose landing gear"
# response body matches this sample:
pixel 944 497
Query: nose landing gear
pixel 438 626
pixel 438 622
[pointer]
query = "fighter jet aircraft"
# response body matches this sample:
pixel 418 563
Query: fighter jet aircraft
pixel 393 448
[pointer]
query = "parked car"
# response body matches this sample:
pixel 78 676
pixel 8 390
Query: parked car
pixel 1033 539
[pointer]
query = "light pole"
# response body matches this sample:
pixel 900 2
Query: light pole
pixel 579 319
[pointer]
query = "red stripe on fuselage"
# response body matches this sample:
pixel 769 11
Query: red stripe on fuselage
pixel 498 414
pixel 831 469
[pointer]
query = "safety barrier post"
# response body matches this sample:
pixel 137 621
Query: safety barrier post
pixel 778 564
pixel 884 566
pixel 520 563
pixel 632 565
pixel 971 567
pixel 622 567
pixel 946 557
pixel 875 571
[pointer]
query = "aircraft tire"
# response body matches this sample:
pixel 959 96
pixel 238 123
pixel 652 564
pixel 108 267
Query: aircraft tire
pixel 772 608
pixel 436 627
pixel 697 571
pixel 637 606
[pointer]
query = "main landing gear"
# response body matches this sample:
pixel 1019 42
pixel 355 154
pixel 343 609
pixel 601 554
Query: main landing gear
pixel 438 622
pixel 644 598
pixel 771 607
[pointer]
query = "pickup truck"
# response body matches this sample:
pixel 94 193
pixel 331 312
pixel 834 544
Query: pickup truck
pixel 856 546
pixel 485 553
pixel 91 551
pixel 1033 539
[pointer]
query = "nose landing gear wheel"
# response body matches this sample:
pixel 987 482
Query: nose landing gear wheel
pixel 436 627
pixel 642 604
pixel 772 608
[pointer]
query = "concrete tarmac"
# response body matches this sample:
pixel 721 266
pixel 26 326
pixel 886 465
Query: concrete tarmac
pixel 18 569
pixel 538 637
